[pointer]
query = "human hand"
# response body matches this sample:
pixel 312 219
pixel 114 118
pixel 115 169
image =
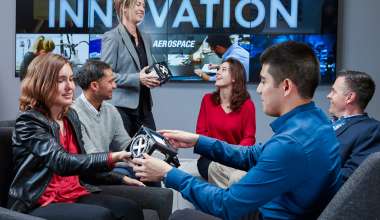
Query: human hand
pixel 121 156
pixel 201 74
pixel 150 169
pixel 150 80
pixel 132 182
pixel 198 72
pixel 180 139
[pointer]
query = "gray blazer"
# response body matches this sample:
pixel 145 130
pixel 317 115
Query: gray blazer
pixel 119 52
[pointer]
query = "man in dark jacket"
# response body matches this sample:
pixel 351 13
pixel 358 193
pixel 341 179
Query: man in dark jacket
pixel 358 134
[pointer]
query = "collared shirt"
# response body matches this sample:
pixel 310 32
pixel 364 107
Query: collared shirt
pixel 238 53
pixel 102 130
pixel 359 137
pixel 292 176
pixel 343 120
pixel 89 105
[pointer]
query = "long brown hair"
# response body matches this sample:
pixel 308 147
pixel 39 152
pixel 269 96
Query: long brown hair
pixel 40 85
pixel 239 88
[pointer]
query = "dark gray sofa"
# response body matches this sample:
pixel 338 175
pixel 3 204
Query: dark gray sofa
pixel 157 202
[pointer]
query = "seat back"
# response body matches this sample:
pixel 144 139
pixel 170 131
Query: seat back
pixel 9 123
pixel 359 197
pixel 5 163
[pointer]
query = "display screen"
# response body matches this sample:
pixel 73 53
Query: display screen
pixel 179 29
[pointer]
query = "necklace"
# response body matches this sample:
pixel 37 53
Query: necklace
pixel 226 108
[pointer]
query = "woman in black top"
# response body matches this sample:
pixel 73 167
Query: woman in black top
pixel 47 153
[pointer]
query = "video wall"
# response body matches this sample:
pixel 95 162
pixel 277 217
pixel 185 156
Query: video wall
pixel 178 30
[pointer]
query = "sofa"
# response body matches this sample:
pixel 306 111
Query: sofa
pixel 157 203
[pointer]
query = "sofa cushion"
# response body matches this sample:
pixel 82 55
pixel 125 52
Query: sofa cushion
pixel 5 163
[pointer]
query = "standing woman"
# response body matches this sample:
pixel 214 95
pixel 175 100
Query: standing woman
pixel 47 149
pixel 228 114
pixel 127 50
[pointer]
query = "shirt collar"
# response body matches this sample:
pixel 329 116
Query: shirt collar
pixel 339 122
pixel 353 116
pixel 280 121
pixel 89 105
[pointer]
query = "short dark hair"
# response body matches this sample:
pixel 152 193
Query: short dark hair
pixel 91 71
pixel 295 61
pixel 361 83
pixel 219 39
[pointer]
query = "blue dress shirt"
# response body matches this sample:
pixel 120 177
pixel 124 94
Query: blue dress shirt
pixel 292 176
pixel 238 53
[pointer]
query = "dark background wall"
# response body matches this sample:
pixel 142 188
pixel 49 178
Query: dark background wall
pixel 177 104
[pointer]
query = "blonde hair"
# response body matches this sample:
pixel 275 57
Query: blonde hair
pixel 37 44
pixel 40 85
pixel 120 5
pixel 42 44
pixel 48 45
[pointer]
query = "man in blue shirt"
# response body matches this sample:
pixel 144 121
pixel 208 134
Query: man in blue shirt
pixel 222 46
pixel 358 134
pixel 293 175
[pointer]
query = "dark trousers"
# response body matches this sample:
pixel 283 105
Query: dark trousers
pixel 202 164
pixel 158 199
pixel 190 214
pixel 133 119
pixel 95 206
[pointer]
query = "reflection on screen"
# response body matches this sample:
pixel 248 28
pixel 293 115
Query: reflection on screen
pixel 159 139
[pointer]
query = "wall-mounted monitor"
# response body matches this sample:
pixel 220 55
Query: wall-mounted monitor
pixel 179 30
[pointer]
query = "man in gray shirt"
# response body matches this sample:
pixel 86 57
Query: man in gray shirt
pixel 101 123
pixel 103 130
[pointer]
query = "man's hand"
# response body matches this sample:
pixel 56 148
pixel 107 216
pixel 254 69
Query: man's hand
pixel 201 74
pixel 180 139
pixel 198 72
pixel 150 169
pixel 132 182
pixel 150 80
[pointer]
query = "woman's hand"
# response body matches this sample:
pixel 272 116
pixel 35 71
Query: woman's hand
pixel 121 156
pixel 180 139
pixel 150 80
pixel 150 169
pixel 132 182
